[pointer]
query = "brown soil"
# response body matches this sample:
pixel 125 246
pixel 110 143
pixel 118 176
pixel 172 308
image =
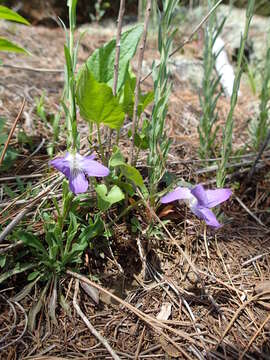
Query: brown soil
pixel 201 309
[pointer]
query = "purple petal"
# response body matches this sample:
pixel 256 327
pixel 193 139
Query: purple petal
pixel 94 168
pixel 78 183
pixel 61 164
pixel 200 194
pixel 207 215
pixel 180 193
pixel 90 157
pixel 217 196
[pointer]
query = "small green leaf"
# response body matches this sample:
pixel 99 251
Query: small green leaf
pixel 132 174
pixel 96 101
pixel 6 45
pixel 117 158
pixel 105 201
pixel 33 275
pixel 9 158
pixel 7 14
pixel 93 230
pixel 128 97
pixel 3 259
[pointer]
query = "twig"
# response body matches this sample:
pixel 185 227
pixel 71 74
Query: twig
pixel 254 337
pixel 264 145
pixel 136 357
pixel 100 338
pixel 118 45
pixel 249 212
pixel 188 40
pixel 117 55
pixel 11 132
pixel 138 78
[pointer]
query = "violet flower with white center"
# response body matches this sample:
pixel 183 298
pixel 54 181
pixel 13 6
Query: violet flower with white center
pixel 75 167
pixel 200 201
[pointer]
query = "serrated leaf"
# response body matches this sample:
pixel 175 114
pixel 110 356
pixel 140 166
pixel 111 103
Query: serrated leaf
pixel 8 14
pixel 101 62
pixel 96 101
pixel 6 45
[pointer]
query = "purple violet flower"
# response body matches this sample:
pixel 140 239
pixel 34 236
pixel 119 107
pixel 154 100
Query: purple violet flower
pixel 200 201
pixel 75 167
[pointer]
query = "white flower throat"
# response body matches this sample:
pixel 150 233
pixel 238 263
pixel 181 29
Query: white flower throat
pixel 75 164
pixel 191 202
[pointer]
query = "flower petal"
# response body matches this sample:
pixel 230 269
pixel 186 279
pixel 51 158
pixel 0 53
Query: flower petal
pixel 90 157
pixel 200 194
pixel 180 193
pixel 61 164
pixel 94 168
pixel 78 183
pixel 207 215
pixel 217 196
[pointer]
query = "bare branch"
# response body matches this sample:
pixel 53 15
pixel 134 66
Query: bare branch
pixel 11 132
pixel 138 80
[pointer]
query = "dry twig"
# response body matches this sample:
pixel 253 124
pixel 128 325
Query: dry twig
pixel 11 132
pixel 117 55
pixel 138 78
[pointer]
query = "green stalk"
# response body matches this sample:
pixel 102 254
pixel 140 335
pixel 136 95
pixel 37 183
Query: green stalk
pixel 227 134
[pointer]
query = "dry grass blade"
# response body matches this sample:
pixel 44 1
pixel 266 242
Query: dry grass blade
pixel 100 338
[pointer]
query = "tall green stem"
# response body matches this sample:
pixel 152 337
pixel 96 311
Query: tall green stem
pixel 227 134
